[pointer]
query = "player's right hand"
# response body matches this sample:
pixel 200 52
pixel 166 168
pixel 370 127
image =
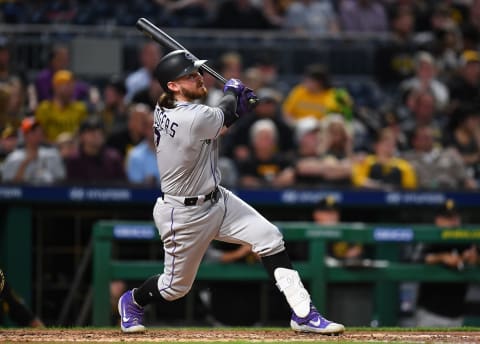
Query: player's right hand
pixel 234 85
pixel 244 103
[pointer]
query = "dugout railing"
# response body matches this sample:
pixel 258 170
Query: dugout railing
pixel 385 238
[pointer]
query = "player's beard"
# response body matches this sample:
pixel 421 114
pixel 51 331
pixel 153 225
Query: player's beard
pixel 198 93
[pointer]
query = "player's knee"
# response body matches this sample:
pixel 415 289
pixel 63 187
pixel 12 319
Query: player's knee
pixel 176 292
pixel 271 242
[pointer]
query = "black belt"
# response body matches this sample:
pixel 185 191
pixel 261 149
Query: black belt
pixel 210 196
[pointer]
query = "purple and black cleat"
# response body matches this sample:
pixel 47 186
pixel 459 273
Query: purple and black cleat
pixel 131 314
pixel 315 323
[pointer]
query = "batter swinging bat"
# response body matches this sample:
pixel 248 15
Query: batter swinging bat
pixel 160 36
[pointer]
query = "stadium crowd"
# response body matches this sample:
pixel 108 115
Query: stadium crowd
pixel 422 133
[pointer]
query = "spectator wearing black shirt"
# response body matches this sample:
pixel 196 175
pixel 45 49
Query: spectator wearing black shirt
pixel 266 167
pixel 465 84
pixel 443 304
pixel 237 143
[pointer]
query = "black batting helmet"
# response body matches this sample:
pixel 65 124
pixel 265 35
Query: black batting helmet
pixel 175 65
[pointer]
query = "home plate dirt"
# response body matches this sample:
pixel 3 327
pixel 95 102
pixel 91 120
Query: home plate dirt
pixel 217 335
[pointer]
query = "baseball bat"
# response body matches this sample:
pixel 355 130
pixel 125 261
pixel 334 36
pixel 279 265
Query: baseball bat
pixel 160 36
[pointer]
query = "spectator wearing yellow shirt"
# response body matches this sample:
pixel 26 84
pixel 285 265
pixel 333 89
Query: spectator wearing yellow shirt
pixel 382 170
pixel 62 113
pixel 315 96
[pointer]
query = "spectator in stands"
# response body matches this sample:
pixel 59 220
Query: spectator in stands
pixel 187 13
pixel 114 109
pixel 475 14
pixel 442 304
pixel 425 79
pixel 150 55
pixel 311 17
pixel 266 166
pixel 420 111
pixel 131 134
pixel 62 113
pixel 394 60
pixel 142 166
pixel 465 136
pixel 236 144
pixel 267 70
pixel 149 95
pixel 33 164
pixel 437 168
pixel 58 59
pixel 315 96
pixel 67 145
pixel 230 65
pixel 445 47
pixel 363 16
pixel 8 142
pixel 12 81
pixel 94 162
pixel 383 170
pixel 240 14
pixel 12 109
pixel 12 90
pixel 464 86
pixel 328 162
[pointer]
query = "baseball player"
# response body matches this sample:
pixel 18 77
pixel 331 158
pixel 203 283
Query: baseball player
pixel 195 209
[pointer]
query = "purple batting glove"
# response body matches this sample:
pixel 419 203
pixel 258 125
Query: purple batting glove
pixel 234 85
pixel 246 101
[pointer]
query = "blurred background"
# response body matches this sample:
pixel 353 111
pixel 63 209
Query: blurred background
pixel 373 103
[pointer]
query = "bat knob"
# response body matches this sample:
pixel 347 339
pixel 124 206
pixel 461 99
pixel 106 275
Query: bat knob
pixel 253 101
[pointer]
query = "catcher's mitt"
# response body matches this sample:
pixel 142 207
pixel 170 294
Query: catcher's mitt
pixel 2 281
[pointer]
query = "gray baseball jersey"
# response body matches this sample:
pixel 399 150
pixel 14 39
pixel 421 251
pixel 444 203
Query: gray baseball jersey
pixel 187 152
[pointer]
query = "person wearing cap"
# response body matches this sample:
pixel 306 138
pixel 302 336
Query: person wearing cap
pixel 327 212
pixel 441 304
pixel 237 145
pixel 464 85
pixel 62 113
pixel 94 162
pixel 315 96
pixel 323 156
pixel 33 163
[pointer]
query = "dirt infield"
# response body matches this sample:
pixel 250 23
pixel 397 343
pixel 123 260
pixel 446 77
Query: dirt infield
pixel 227 335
